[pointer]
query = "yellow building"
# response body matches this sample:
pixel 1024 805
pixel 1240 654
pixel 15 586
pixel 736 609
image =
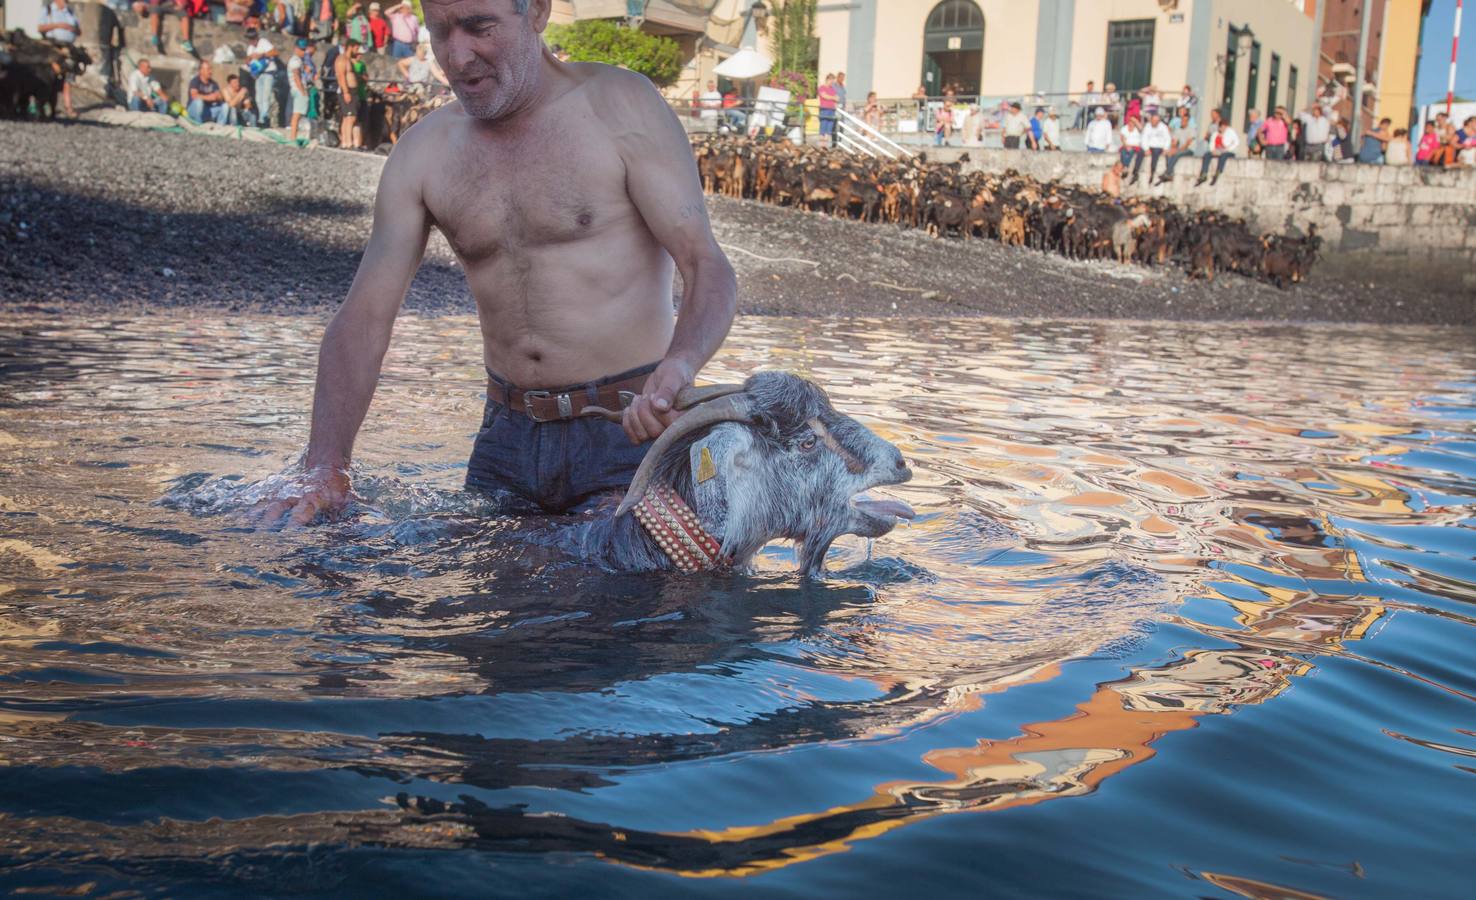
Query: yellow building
pixel 1236 54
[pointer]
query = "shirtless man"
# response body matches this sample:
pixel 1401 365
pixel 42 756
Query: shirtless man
pixel 566 190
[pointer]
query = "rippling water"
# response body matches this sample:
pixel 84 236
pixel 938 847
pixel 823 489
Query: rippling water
pixel 1187 611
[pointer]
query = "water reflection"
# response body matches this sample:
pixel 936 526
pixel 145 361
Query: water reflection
pixel 1125 532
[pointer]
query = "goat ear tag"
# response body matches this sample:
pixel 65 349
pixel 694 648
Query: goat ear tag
pixel 706 470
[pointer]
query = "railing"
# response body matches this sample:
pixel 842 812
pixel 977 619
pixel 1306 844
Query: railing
pixel 856 136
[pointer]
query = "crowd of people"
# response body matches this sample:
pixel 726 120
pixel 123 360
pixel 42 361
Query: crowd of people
pixel 268 89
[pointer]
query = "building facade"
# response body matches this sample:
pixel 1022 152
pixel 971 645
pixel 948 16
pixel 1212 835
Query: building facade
pixel 1235 54
pixel 1393 55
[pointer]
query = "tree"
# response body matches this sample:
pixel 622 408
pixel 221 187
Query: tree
pixel 600 40
pixel 792 38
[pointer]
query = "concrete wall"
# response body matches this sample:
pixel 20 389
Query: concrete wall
pixel 1409 220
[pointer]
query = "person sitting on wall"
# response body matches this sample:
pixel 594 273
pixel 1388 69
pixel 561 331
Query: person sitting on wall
pixel 144 92
pixel 1220 144
pixel 207 101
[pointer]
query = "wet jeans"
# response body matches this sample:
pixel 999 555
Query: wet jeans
pixel 554 465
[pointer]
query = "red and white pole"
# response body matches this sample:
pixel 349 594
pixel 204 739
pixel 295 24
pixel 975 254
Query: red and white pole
pixel 1455 42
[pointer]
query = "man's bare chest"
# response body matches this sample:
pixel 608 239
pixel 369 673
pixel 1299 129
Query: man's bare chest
pixel 494 198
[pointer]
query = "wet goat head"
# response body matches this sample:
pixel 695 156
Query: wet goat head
pixel 773 459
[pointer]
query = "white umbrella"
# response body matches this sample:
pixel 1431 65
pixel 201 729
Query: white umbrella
pixel 746 63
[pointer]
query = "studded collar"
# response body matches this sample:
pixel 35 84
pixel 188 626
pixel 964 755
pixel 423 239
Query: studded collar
pixel 675 528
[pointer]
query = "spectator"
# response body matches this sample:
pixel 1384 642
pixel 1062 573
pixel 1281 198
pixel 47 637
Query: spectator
pixel 1134 109
pixel 355 89
pixel 1099 132
pixel 1157 139
pixel 840 90
pixel 332 100
pixel 1113 102
pixel 1187 100
pixel 263 67
pixel 59 25
pixel 1273 135
pixel 1398 151
pixel 1253 125
pixel 711 101
pixel 323 21
pixel 357 25
pixel 734 116
pixel 379 27
pixel 421 70
pixel 1331 97
pixel 283 16
pixel 1429 142
pixel 105 32
pixel 1150 102
pixel 1050 131
pixel 1220 144
pixel 1086 105
pixel 189 11
pixel 872 113
pixel 404 31
pixel 238 103
pixel 1182 144
pixel 827 94
pixel 1375 143
pixel 943 129
pixel 1014 127
pixel 206 100
pixel 1112 181
pixel 1316 130
pixel 1466 143
pixel 144 93
pixel 1131 150
pixel 299 77
pixel 1033 137
pixel 1447 149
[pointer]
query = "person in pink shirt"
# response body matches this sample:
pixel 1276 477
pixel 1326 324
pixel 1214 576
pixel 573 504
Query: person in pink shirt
pixel 1273 135
pixel 404 31
pixel 1429 143
pixel 828 96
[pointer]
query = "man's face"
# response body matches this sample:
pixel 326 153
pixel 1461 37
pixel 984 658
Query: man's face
pixel 489 52
pixel 204 71
pixel 1111 86
pixel 1153 119
pixel 145 67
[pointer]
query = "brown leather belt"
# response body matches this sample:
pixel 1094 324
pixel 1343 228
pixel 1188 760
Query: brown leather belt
pixel 550 406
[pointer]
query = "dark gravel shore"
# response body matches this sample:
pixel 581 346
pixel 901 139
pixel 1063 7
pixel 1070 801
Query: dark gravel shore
pixel 97 218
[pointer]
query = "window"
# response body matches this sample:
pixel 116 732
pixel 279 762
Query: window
pixel 1232 47
pixel 1252 77
pixel 1291 89
pixel 1275 76
pixel 1130 54
pixel 955 15
pixel 953 48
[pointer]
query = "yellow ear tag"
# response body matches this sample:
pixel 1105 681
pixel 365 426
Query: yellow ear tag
pixel 706 471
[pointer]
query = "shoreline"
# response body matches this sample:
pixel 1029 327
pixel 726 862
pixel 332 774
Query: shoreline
pixel 120 220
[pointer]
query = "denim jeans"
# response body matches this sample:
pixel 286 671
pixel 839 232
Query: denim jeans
pixel 1173 159
pixel 1204 165
pixel 401 49
pixel 216 112
pixel 554 465
pixel 1276 151
pixel 266 98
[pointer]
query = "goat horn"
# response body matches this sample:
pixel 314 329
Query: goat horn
pixel 689 397
pixel 732 408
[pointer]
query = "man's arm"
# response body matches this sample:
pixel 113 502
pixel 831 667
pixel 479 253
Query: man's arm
pixel 661 177
pixel 355 341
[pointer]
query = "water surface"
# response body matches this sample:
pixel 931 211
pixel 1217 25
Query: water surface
pixel 1186 612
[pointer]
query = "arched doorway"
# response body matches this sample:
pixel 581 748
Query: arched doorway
pixel 953 47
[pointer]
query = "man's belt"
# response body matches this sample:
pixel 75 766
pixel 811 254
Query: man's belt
pixel 551 406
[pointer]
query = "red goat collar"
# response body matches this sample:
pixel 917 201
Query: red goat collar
pixel 675 528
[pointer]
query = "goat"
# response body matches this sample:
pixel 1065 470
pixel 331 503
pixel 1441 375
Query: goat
pixel 766 460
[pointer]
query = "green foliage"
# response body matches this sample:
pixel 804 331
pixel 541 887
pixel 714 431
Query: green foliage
pixel 599 40
pixel 796 49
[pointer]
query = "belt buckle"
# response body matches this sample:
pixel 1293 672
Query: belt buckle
pixel 627 398
pixel 566 406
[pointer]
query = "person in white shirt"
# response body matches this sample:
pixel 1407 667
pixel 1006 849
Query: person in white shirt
pixel 144 93
pixel 1221 143
pixel 1099 132
pixel 1156 141
pixel 263 66
pixel 711 102
pixel 1131 151
pixel 1014 126
pixel 1316 129
pixel 1050 131
pixel 1089 101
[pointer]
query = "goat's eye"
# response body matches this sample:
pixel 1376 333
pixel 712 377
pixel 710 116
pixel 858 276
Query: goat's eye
pixel 808 443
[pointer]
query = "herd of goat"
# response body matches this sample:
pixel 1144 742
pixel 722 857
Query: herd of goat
pixel 1009 207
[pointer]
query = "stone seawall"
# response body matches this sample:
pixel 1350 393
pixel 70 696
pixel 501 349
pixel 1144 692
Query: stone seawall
pixel 1387 220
